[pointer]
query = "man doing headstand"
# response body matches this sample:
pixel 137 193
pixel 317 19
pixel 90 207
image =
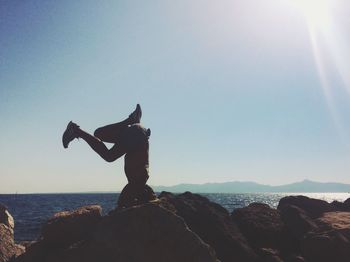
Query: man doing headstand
pixel 130 139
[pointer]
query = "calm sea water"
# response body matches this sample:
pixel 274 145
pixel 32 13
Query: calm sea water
pixel 30 211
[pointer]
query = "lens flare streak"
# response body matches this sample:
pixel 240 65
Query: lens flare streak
pixel 326 39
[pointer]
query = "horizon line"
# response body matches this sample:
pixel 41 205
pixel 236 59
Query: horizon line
pixel 155 186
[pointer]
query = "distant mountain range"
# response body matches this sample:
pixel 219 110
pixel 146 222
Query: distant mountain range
pixel 305 186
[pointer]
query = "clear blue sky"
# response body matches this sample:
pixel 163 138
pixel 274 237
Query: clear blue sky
pixel 244 90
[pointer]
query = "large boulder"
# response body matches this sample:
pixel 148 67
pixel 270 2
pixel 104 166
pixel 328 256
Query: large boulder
pixel 313 207
pixel 261 225
pixel 297 222
pixel 142 233
pixel 213 224
pixel 68 227
pixel 8 248
pixel 331 242
pixel 151 233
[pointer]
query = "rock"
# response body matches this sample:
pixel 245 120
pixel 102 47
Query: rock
pixel 26 244
pixel 8 248
pixel 141 233
pixel 156 234
pixel 261 225
pixel 213 224
pixel 67 227
pixel 347 202
pixel 335 220
pixel 331 242
pixel 297 222
pixel 38 251
pixel 341 206
pixel 325 247
pixel 5 217
pixel 189 227
pixel 294 258
pixel 269 255
pixel 313 207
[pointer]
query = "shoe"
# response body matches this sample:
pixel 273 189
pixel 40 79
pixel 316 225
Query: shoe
pixel 69 134
pixel 135 116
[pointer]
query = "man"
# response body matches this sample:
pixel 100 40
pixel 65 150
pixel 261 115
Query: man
pixel 130 139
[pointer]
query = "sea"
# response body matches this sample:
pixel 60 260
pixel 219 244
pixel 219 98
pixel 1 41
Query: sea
pixel 31 211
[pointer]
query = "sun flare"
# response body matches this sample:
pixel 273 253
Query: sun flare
pixel 316 12
pixel 329 51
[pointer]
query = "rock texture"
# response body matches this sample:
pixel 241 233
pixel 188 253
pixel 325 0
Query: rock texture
pixel 322 232
pixel 66 228
pixel 261 224
pixel 269 255
pixel 347 203
pixel 297 222
pixel 213 224
pixel 341 206
pixel 331 241
pixel 189 228
pixel 5 217
pixel 8 248
pixel 313 207
pixel 267 231
pixel 142 233
pixel 165 238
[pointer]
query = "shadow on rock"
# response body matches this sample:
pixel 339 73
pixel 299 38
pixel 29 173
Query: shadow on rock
pixel 213 224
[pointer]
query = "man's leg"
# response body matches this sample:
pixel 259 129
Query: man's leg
pixel 74 131
pixel 99 147
pixel 110 133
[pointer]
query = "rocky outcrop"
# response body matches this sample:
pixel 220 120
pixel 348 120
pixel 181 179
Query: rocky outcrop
pixel 261 224
pixel 297 222
pixel 142 233
pixel 66 228
pixel 347 203
pixel 267 232
pixel 341 206
pixel 5 217
pixel 331 241
pixel 313 207
pixel 8 248
pixel 156 234
pixel 213 224
pixel 322 232
pixel 189 228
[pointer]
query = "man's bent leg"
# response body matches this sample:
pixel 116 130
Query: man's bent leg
pixel 100 148
pixel 111 133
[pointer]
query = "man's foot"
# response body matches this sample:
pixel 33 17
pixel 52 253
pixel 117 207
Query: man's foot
pixel 135 116
pixel 69 134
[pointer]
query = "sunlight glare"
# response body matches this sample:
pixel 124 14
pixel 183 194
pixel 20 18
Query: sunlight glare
pixel 329 51
pixel 316 12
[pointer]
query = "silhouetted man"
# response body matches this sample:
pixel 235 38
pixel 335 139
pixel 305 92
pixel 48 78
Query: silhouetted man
pixel 130 139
